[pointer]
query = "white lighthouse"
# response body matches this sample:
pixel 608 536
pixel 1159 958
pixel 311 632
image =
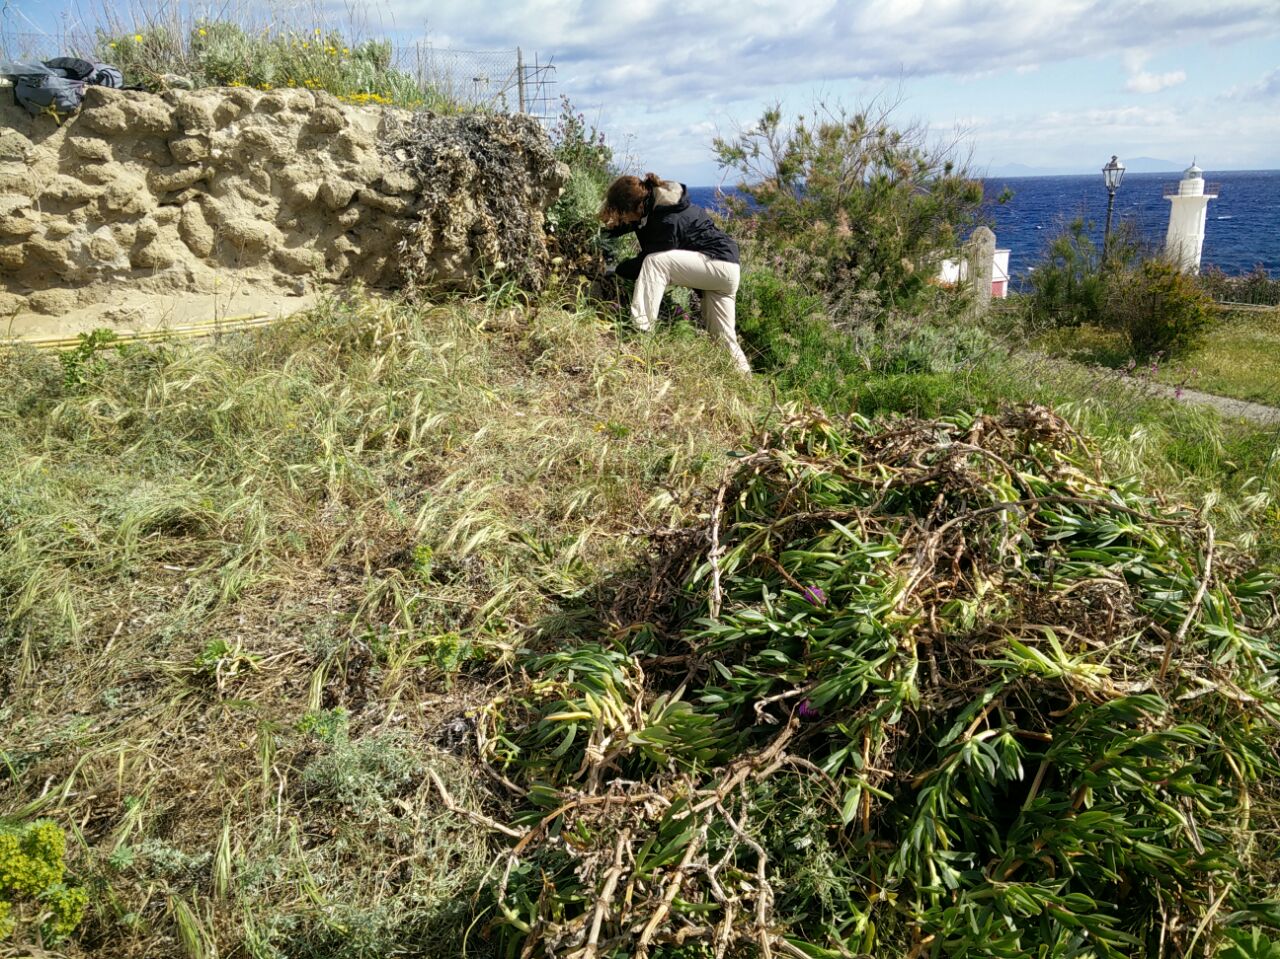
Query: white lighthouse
pixel 1188 207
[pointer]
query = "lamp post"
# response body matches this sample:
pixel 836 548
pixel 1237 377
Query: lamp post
pixel 1112 174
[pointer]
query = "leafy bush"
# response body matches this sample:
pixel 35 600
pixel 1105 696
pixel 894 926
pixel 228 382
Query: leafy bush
pixel 33 896
pixel 224 53
pixel 1068 286
pixel 580 144
pixel 871 204
pixel 1157 308
pixel 789 332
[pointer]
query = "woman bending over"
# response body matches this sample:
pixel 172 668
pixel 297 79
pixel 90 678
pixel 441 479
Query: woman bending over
pixel 678 245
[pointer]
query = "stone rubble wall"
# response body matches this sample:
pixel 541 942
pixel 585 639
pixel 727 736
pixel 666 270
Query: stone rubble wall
pixel 190 190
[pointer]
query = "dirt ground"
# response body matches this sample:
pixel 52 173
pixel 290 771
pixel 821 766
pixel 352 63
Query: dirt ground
pixel 137 311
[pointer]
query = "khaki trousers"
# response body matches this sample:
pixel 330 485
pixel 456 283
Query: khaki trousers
pixel 716 280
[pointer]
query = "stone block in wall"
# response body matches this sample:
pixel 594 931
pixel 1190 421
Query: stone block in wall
pixel 90 149
pixel 189 149
pixel 64 188
pixel 325 120
pixel 195 230
pixel 172 179
pixel 336 194
pixel 298 261
pixel 195 114
pixel 14 146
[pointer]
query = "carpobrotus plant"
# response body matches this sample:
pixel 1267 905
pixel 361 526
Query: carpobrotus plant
pixel 933 688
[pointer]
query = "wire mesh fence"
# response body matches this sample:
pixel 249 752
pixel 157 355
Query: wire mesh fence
pixel 484 79
pixel 504 80
pixel 21 47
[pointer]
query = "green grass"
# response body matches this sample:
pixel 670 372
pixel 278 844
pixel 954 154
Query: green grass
pixel 248 586
pixel 255 592
pixel 1239 358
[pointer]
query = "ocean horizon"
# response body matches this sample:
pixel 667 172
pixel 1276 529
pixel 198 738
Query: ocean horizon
pixel 1242 231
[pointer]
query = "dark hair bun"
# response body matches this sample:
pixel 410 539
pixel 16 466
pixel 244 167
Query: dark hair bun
pixel 652 180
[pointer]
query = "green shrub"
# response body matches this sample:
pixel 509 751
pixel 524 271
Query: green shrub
pixel 871 360
pixel 1157 308
pixel 575 231
pixel 224 53
pixel 1257 287
pixel 33 896
pixel 866 202
pixel 1068 286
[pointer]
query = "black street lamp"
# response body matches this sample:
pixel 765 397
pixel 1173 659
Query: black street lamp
pixel 1112 174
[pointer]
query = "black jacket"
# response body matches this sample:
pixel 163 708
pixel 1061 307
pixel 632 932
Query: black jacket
pixel 671 222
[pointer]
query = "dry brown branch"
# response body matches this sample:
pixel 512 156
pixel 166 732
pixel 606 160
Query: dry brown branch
pixel 764 892
pixel 605 899
pixel 673 888
pixel 470 814
pixel 1180 635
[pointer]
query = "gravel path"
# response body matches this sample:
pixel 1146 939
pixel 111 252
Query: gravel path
pixel 1108 378
pixel 1257 412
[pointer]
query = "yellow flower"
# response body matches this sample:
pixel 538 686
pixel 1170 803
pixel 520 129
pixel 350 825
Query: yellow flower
pixel 204 32
pixel 111 45
pixel 346 49
pixel 305 44
pixel 137 38
pixel 317 31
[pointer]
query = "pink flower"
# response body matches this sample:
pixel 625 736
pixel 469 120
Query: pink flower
pixel 815 595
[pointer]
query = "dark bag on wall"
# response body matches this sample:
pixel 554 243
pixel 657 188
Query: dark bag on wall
pixel 57 86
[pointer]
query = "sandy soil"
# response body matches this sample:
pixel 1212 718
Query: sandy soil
pixel 134 311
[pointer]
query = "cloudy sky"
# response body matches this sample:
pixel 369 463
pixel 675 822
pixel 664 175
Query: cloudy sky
pixel 1059 85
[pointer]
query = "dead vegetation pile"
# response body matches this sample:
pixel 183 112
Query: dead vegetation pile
pixel 486 181
pixel 926 688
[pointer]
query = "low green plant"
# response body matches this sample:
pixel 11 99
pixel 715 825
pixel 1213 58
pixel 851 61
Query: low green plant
pixel 35 900
pixel 227 53
pixel 360 776
pixel 82 362
pixel 1157 308
pixel 1249 944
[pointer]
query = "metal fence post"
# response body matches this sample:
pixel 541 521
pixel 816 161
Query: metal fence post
pixel 520 76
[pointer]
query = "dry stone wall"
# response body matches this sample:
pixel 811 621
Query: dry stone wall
pixel 285 189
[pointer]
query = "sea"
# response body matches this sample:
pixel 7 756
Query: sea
pixel 1242 230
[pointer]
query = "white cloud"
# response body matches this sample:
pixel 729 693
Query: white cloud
pixel 1143 81
pixel 1268 88
pixel 653 66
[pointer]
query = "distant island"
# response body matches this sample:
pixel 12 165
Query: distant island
pixel 1135 165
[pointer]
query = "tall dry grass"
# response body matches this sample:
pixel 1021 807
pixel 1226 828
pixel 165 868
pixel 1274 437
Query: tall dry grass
pixel 252 589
